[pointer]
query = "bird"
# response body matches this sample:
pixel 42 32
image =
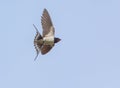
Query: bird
pixel 45 42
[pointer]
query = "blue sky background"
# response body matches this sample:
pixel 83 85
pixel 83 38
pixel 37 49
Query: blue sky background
pixel 87 57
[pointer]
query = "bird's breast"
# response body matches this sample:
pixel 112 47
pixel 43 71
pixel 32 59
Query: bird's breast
pixel 49 40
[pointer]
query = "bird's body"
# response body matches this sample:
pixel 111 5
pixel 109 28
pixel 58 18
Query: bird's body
pixel 48 41
pixel 44 43
pixel 49 38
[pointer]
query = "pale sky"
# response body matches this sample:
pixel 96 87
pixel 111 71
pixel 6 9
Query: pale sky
pixel 88 56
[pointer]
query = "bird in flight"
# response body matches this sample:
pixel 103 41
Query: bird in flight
pixel 45 42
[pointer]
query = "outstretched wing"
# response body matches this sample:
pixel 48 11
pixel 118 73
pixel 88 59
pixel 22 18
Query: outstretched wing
pixel 36 44
pixel 45 49
pixel 47 23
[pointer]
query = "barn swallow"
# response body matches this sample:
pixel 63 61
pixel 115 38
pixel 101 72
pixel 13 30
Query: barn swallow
pixel 45 42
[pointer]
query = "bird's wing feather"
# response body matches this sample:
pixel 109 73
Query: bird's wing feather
pixel 45 49
pixel 46 22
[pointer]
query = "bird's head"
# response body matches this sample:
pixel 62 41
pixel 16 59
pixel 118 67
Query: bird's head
pixel 57 40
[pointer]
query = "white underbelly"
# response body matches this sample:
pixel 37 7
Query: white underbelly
pixel 49 40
